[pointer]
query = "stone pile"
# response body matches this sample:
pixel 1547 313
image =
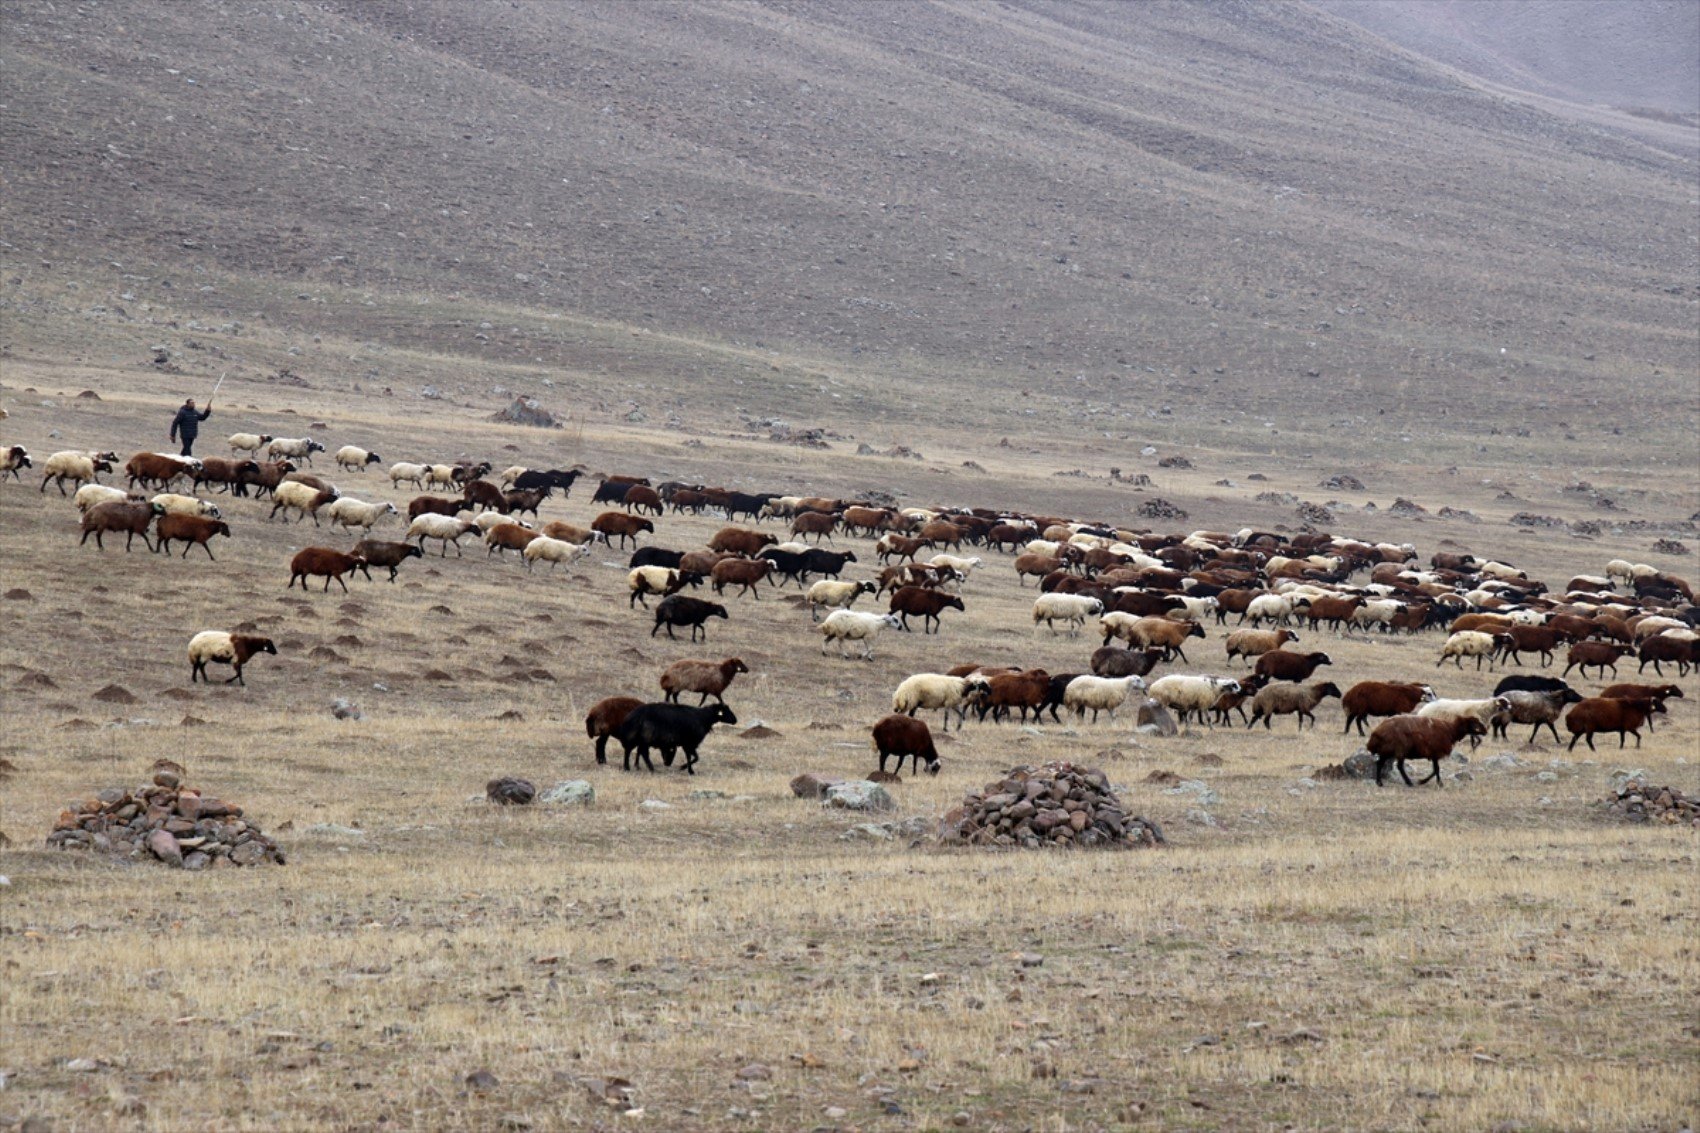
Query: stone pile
pixel 1158 508
pixel 1057 804
pixel 1637 801
pixel 166 820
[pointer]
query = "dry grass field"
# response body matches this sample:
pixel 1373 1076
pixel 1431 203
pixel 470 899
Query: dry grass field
pixel 1493 954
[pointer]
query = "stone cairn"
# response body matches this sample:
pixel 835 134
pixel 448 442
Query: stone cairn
pixel 1637 801
pixel 165 820
pixel 1057 804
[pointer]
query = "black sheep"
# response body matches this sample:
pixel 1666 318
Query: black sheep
pixel 1054 694
pixel 746 503
pixel 656 556
pixel 683 610
pixel 827 563
pixel 554 478
pixel 788 564
pixel 611 492
pixel 669 727
pixel 1520 683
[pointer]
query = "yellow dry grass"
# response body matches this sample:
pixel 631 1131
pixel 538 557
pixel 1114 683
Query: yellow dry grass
pixel 1493 953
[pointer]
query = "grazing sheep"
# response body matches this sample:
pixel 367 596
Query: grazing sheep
pixel 835 593
pixel 173 504
pixel 1542 709
pixel 924 604
pixel 1188 695
pixel 131 517
pixel 1471 643
pixel 1254 643
pixel 645 580
pixel 483 494
pixel 705 678
pixel 745 573
pixel 405 473
pixel 378 553
pixel 555 551
pixel 296 448
pixel 506 536
pixel 91 494
pixel 1483 709
pixel 233 649
pixel 77 467
pixel 947 694
pixel 249 442
pixel 1289 699
pixel 605 718
pixel 1598 714
pixel 325 562
pixel 448 528
pixel 1280 665
pixel 612 523
pixel 568 533
pixel 853 625
pixel 683 610
pixel 350 512
pixel 1368 699
pixel 1071 609
pixel 190 529
pixel 1100 694
pixel 670 728
pixel 355 459
pixel 304 498
pixel 1405 738
pixel 1150 632
pixel 1643 692
pixel 908 738
pixel 1587 655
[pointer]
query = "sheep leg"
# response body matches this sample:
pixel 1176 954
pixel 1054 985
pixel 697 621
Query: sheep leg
pixel 1403 774
pixel 196 670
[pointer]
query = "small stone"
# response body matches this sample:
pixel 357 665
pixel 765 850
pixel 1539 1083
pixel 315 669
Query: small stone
pixel 568 792
pixel 509 791
pixel 1029 959
pixel 82 1066
pixel 859 795
pixel 811 786
pixel 482 1080
pixel 164 847
pixel 755 1072
pixel 655 804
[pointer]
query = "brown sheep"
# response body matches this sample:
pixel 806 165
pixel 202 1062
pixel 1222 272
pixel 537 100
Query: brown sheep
pixel 746 573
pixel 1026 690
pixel 569 533
pixel 266 476
pixel 1609 714
pixel 866 520
pixel 942 533
pixel 1661 649
pixel 894 546
pixel 605 718
pixel 618 523
pixel 905 736
pixel 191 529
pixel 639 498
pixel 705 678
pixel 483 494
pixel 1643 692
pixel 130 517
pixel 1254 643
pixel 1480 623
pixel 1542 640
pixel 233 649
pixel 816 523
pixel 1280 665
pixel 232 475
pixel 156 469
pixel 507 536
pixel 1337 612
pixel 524 500
pixel 379 553
pixel 925 604
pixel 740 541
pixel 1368 699
pixel 1281 699
pixel 1010 536
pixel 1114 661
pixel 436 505
pixel 1166 634
pixel 702 562
pixel 326 562
pixel 1418 737
pixel 1587 655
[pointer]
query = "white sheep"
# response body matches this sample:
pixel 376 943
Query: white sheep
pixel 1072 609
pixel 248 442
pixel 509 475
pixel 405 473
pixel 292 495
pixel 1502 571
pixel 1657 624
pixel 1050 548
pixel 1276 608
pixel 296 448
pixel 1193 609
pixel 1484 710
pixel 1377 612
pixel 936 690
pixel 354 458
pixel 440 476
pixel 448 528
pixel 1100 694
pixel 350 512
pixel 556 551
pixel 13 458
pixel 963 566
pixel 233 649
pixel 1526 617
pixel 174 504
pixel 489 519
pixel 645 580
pixel 1469 643
pixel 830 592
pixel 91 494
pixel 78 467
pixel 855 625
pixel 1185 694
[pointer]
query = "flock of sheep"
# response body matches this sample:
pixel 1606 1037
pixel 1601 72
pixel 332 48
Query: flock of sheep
pixel 1147 593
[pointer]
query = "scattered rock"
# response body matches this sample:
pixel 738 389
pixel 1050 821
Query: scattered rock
pixel 346 710
pixel 569 792
pixel 1530 519
pixel 858 794
pixel 482 1080
pixel 1158 508
pixel 1343 482
pixel 1359 765
pixel 1197 790
pixel 811 786
pixel 1154 719
pixel 1314 513
pixel 1635 800
pixel 1404 507
pixel 1174 462
pixel 1661 546
pixel 509 791
pixel 1056 804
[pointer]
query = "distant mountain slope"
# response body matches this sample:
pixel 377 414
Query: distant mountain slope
pixel 1641 54
pixel 1006 193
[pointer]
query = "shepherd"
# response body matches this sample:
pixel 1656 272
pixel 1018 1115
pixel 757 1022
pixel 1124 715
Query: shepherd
pixel 187 424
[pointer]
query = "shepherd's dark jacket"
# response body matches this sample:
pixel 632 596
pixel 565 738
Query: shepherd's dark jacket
pixel 188 422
